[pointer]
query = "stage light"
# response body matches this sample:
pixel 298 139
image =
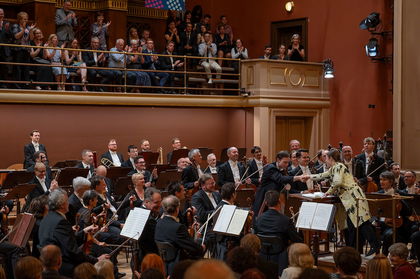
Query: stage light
pixel 372 48
pixel 328 68
pixel 370 22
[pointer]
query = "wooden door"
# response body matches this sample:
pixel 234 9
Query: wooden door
pixel 292 127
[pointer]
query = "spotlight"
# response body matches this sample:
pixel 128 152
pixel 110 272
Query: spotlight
pixel 372 48
pixel 370 22
pixel 328 68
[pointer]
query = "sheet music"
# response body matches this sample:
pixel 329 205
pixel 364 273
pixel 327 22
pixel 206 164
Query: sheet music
pixel 224 218
pixel 237 222
pixel 313 195
pixel 322 216
pixel 306 214
pixel 134 225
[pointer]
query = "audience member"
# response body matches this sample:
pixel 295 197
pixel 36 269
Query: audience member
pixel 5 53
pixel 252 273
pixel 171 34
pixel 21 31
pixel 152 261
pixel 151 273
pixel 170 63
pixel 28 268
pixel 74 58
pixel 267 52
pixel 51 259
pixel 313 273
pixel 187 19
pixel 188 43
pixel 238 52
pixel 151 62
pixel 208 49
pixel 300 257
pixel 398 254
pixel 378 268
pixel 228 28
pixel 85 271
pixel 296 52
pixel 223 43
pixel 133 34
pixel 120 60
pixel 105 268
pixel 96 59
pixel 200 34
pixel 180 269
pixel 56 56
pixel 99 29
pixel 240 259
pixel 206 22
pixel 282 53
pixel 135 62
pixel 145 35
pixel 43 74
pixel 347 261
pixel 209 269
pixel 65 20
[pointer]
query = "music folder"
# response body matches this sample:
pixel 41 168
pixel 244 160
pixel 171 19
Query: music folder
pixel 231 220
pixel 316 216
pixel 135 223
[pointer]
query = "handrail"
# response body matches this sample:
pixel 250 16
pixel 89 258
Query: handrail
pixel 186 72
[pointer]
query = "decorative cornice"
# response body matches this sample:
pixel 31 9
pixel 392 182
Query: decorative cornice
pixel 140 11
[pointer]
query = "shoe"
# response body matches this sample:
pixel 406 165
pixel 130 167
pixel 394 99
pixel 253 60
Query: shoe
pixel 210 81
pixel 120 274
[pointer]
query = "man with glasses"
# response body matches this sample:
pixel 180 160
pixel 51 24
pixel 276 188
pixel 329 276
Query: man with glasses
pixel 140 167
pixel 410 182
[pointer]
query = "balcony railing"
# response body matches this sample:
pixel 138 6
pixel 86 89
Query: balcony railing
pixel 189 79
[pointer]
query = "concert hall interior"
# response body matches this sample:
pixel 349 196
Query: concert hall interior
pixel 271 135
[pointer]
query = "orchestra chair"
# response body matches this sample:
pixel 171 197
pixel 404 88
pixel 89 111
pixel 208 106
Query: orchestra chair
pixel 273 249
pixel 169 254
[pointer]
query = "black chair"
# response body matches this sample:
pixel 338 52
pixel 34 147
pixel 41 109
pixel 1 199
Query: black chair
pixel 274 249
pixel 169 254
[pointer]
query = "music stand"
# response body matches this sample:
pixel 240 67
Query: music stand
pixel 66 176
pixel 114 172
pixel 150 157
pixel 159 168
pixel 18 192
pixel 71 163
pixel 60 165
pixel 224 157
pixel 14 178
pixel 166 177
pixel 245 197
pixel 179 153
pixel 122 186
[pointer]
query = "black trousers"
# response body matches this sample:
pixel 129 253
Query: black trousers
pixel 366 232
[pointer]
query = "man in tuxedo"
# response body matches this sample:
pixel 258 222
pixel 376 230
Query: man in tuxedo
pixel 176 144
pixel 212 164
pixel 41 156
pixel 55 229
pixel 132 154
pixel 30 149
pixel 192 173
pixel 152 62
pixel 354 166
pixel 96 59
pixel 410 182
pixel 232 170
pixel 399 179
pixel 188 42
pixel 275 178
pixel 373 165
pixel 115 159
pixel 168 229
pixel 145 145
pixel 87 162
pixel 140 167
pixel 273 223
pixel 80 186
pixel 256 165
pixel 303 169
pixel 43 184
pixel 321 162
pixel 206 199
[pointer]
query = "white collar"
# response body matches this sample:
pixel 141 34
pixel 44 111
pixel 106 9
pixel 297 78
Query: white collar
pixel 35 143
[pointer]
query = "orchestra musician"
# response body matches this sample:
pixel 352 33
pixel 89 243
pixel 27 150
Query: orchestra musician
pixel 87 162
pixel 275 178
pixel 145 145
pixel 320 164
pixel 256 165
pixel 354 166
pixel 140 167
pixel 132 154
pixel 410 182
pixel 206 199
pixel 294 163
pixel 56 229
pixel 41 156
pixel 80 185
pixel 30 149
pixel 232 170
pixel 177 189
pixel 112 155
pixel 399 179
pixel 343 185
pixel 373 165
pixel 212 164
pixel 181 164
pixel 303 169
pixel 176 144
pixel 294 144
pixel 191 173
pixel 103 171
pixel 136 195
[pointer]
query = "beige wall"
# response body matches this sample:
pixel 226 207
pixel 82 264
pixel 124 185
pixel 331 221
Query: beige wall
pixel 407 84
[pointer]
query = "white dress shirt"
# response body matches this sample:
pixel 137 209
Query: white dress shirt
pixel 43 185
pixel 260 167
pixel 36 146
pixel 86 166
pixel 213 169
pixel 309 182
pixel 367 163
pixel 211 198
pixel 235 170
pixel 349 165
pixel 115 159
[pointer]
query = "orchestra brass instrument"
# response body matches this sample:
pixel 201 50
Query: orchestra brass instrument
pixel 160 158
pixel 107 163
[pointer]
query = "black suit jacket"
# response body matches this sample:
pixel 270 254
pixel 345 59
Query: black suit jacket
pixel 401 183
pixel 52 274
pixel 128 164
pixel 189 176
pixel 169 230
pixel 225 173
pixel 255 178
pixel 202 203
pixel 74 206
pixel 298 186
pixel 109 157
pixel 273 222
pixel 272 179
pixel 165 61
pixel 183 38
pixel 91 168
pixel 37 191
pixel 88 58
pixel 376 162
pixel 55 229
pixel 29 151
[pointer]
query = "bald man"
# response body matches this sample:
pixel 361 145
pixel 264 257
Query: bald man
pixel 294 144
pixel 102 171
pixel 209 269
pixel 120 60
pixel 44 185
pixel 354 166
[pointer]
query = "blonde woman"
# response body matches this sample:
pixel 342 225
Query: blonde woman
pixel 105 268
pixel 300 257
pixel 56 56
pixel 74 58
pixel 296 51
pixel 379 268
